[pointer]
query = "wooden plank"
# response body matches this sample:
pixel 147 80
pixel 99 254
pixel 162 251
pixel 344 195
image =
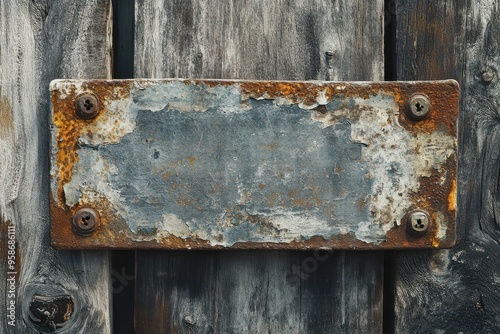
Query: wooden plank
pixel 457 290
pixel 40 42
pixel 255 292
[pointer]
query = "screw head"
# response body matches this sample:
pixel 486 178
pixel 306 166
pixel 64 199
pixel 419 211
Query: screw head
pixel 488 76
pixel 85 221
pixel 419 107
pixel 87 106
pixel 418 223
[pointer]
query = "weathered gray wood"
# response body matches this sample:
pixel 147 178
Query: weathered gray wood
pixel 40 41
pixel 255 292
pixel 457 290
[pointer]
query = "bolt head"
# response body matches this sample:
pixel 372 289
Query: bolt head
pixel 87 106
pixel 419 107
pixel 487 76
pixel 418 223
pixel 85 221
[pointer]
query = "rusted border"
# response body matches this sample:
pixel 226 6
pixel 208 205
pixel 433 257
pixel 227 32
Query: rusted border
pixel 433 195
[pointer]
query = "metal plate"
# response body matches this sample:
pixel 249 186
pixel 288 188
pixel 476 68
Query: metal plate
pixel 202 164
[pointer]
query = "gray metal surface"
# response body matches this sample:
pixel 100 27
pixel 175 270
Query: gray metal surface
pixel 234 164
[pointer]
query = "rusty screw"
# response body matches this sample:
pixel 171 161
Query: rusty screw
pixel 87 106
pixel 419 107
pixel 418 223
pixel 85 221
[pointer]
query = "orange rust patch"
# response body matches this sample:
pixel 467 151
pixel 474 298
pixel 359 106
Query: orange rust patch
pixel 70 127
pixel 452 197
pixel 191 160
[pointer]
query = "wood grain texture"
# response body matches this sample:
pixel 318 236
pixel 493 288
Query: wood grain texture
pixel 457 290
pixel 266 40
pixel 40 41
pixel 256 292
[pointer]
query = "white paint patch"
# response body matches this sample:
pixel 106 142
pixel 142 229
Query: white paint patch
pixel 67 87
pixel 432 151
pixel 457 257
pixel 441 225
pixel 280 101
pixel 299 225
pixel 306 106
pixel 89 190
pixel 369 232
pixel 321 98
pixel 172 225
pixel 118 121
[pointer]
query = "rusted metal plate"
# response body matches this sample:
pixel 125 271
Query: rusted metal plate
pixel 201 164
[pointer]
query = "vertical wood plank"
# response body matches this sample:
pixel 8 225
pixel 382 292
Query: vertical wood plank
pixel 259 291
pixel 67 292
pixel 457 290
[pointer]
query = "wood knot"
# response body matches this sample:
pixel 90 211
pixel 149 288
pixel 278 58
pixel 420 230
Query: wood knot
pixel 50 313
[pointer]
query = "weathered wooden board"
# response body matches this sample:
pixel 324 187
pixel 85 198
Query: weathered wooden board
pixel 253 164
pixel 256 292
pixel 457 290
pixel 40 41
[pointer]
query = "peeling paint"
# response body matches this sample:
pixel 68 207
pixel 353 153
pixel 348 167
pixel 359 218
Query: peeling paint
pixel 231 163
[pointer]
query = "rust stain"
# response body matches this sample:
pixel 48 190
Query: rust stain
pixel 6 118
pixel 183 200
pixel 361 203
pixel 274 199
pixel 270 146
pixel 452 197
pixel 70 127
pixel 191 160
